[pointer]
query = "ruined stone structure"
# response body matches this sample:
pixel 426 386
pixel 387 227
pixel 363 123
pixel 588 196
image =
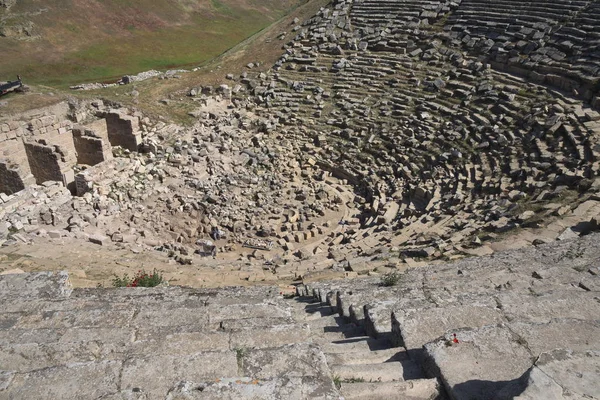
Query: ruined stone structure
pixel 92 143
pixel 390 135
pixel 409 100
pixel 46 144
pixel 123 130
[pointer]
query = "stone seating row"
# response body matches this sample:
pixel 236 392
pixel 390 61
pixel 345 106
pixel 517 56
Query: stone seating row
pixel 59 342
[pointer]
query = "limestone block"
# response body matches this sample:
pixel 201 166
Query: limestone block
pixel 481 364
pixel 41 285
pixel 99 239
pixel 65 382
pixel 155 374
pixel 286 387
pixel 564 374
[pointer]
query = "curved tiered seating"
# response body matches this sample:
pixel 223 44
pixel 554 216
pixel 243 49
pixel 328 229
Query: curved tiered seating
pixel 437 133
pixel 553 42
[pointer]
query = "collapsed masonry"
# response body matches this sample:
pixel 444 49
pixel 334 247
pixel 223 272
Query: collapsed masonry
pixel 50 144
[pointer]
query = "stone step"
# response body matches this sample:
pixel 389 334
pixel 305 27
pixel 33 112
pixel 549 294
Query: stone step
pixel 86 345
pixel 367 357
pixel 319 308
pixel 383 372
pixel 59 315
pixel 335 334
pixel 330 321
pixel 155 374
pixel 378 372
pixel 425 389
pixel 275 336
pixel 294 387
pixel 359 344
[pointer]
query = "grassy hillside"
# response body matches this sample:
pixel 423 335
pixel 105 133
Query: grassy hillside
pixel 63 42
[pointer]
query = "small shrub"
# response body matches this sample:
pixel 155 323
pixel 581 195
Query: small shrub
pixel 391 279
pixel 141 279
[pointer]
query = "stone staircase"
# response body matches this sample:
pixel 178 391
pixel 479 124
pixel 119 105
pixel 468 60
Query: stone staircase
pixel 363 367
pixel 520 324
pixel 181 343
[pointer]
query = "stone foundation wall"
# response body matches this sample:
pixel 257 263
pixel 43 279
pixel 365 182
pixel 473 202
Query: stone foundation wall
pixel 50 125
pixel 15 173
pixel 92 143
pixel 44 144
pixel 123 130
pixel 49 163
pixel 10 180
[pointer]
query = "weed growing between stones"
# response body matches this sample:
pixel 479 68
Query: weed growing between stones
pixel 573 253
pixel 354 380
pixel 240 353
pixel 337 381
pixel 391 279
pixel 141 279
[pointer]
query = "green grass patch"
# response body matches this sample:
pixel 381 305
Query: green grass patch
pixel 72 52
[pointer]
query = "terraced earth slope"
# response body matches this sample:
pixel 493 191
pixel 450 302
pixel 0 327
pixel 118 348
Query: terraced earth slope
pixel 73 41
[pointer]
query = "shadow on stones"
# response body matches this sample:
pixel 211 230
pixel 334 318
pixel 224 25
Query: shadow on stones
pixel 498 390
pixel 584 228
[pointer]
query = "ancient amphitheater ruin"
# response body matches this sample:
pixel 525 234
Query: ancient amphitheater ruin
pixel 403 207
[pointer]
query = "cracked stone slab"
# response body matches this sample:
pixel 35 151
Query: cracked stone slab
pixel 568 303
pixel 300 360
pixel 274 336
pixel 564 374
pixel 47 285
pixel 572 333
pixel 74 381
pixel 292 388
pixel 419 326
pixel 132 394
pixel 6 378
pixel 481 364
pixel 156 374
